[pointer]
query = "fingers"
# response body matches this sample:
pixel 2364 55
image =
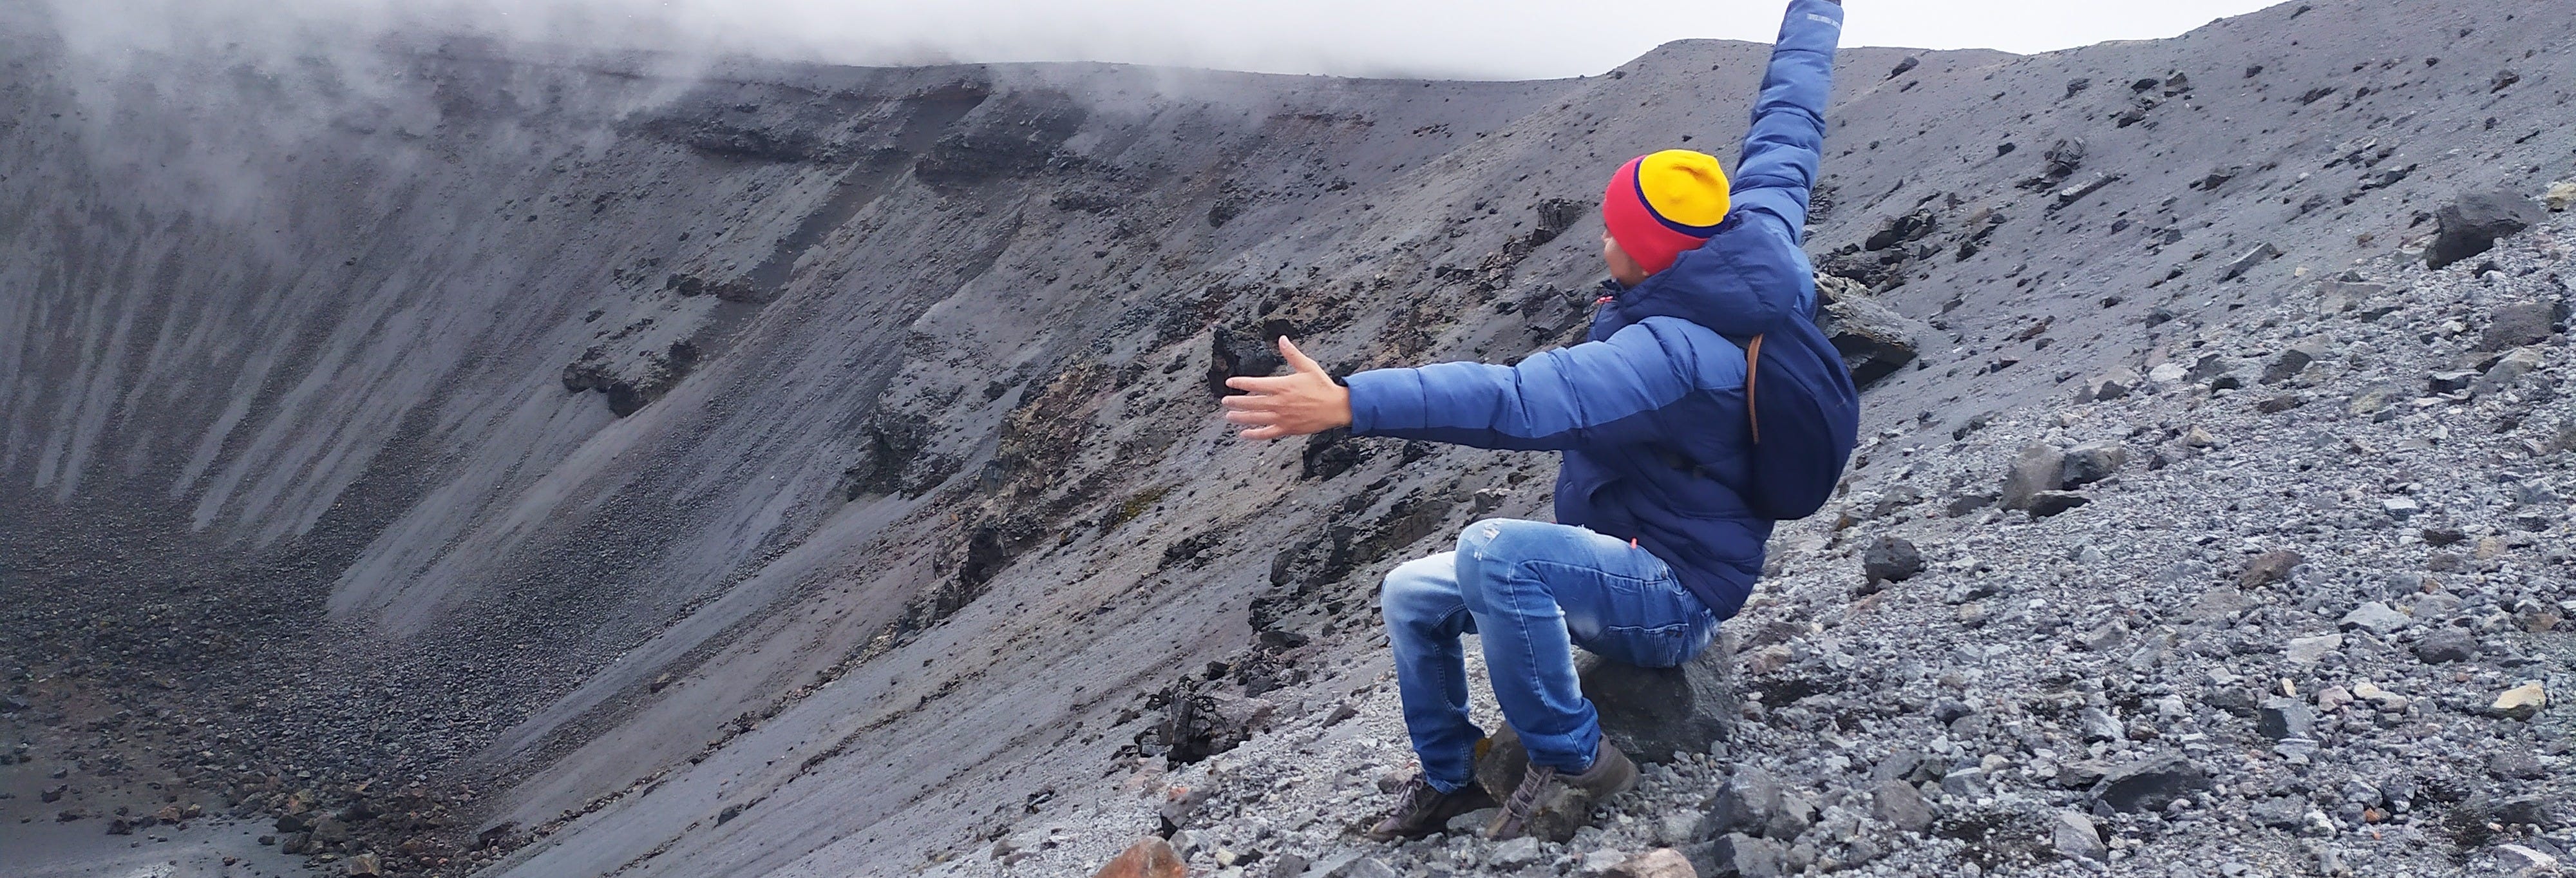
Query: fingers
pixel 1253 419
pixel 1297 359
pixel 1249 384
pixel 1272 432
pixel 1250 403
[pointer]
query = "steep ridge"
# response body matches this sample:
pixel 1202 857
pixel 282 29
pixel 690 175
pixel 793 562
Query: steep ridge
pixel 900 504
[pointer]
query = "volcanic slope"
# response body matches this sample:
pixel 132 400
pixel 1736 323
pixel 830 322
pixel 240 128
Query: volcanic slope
pixel 792 470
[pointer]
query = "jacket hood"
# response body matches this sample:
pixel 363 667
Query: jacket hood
pixel 1746 281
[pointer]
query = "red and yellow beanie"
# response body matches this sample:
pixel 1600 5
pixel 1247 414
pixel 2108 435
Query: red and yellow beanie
pixel 1660 205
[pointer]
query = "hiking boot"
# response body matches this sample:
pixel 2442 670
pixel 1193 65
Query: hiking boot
pixel 1552 805
pixel 1422 809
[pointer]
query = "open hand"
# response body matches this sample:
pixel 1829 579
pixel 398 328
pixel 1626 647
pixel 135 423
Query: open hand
pixel 1302 402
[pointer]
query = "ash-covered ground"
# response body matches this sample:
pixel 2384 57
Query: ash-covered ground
pixel 479 460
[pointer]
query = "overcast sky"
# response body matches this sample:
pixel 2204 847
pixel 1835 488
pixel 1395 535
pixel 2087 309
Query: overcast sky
pixel 1501 39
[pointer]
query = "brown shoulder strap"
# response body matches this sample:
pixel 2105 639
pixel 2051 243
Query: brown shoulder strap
pixel 1752 369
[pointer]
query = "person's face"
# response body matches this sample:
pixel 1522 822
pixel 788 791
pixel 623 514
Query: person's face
pixel 1623 268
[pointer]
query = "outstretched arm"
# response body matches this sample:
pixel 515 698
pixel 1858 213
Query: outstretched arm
pixel 1592 394
pixel 1787 139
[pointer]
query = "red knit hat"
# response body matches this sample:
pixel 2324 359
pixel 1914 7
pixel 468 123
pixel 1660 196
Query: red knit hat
pixel 1659 205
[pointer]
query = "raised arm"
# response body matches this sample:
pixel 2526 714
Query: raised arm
pixel 1593 393
pixel 1787 139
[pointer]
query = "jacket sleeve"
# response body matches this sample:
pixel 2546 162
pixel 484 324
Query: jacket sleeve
pixel 1787 139
pixel 1592 394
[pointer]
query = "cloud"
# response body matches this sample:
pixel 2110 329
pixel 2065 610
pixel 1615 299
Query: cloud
pixel 1495 39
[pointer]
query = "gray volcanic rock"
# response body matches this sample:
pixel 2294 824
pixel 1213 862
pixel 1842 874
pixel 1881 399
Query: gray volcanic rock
pixel 2470 224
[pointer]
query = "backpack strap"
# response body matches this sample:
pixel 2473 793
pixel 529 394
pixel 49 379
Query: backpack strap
pixel 1752 368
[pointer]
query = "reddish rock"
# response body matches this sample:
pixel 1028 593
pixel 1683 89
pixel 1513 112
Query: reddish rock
pixel 1149 858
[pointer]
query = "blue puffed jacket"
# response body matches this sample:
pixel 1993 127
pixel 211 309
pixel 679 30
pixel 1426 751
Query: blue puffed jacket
pixel 1651 413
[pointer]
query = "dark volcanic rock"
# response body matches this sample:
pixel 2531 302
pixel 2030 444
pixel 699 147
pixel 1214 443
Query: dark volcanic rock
pixel 1234 354
pixel 2447 644
pixel 2470 224
pixel 2150 783
pixel 2048 503
pixel 1648 713
pixel 1891 559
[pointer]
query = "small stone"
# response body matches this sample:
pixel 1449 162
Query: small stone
pixel 1472 822
pixel 2111 385
pixel 1891 559
pixel 2509 371
pixel 1901 805
pixel 2091 462
pixel 2447 644
pixel 2561 195
pixel 2168 373
pixel 2400 508
pixel 1514 854
pixel 2269 567
pixel 1681 828
pixel 2377 618
pixel 2520 860
pixel 2199 438
pixel 2282 718
pixel 2279 812
pixel 1657 863
pixel 1745 803
pixel 2310 650
pixel 2382 698
pixel 2261 253
pixel 2099 725
pixel 2292 362
pixel 1744 856
pixel 2521 702
pixel 2048 503
pixel 2076 838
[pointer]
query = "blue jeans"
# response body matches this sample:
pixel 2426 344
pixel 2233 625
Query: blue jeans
pixel 1532 591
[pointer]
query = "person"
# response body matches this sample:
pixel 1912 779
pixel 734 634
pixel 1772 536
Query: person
pixel 1659 531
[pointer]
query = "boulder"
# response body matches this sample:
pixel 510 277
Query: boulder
pixel 1648 713
pixel 2516 324
pixel 2471 223
pixel 1149 857
pixel 1874 340
pixel 1901 805
pixel 1891 559
pixel 2091 462
pixel 2076 838
pixel 2149 783
pixel 2036 469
